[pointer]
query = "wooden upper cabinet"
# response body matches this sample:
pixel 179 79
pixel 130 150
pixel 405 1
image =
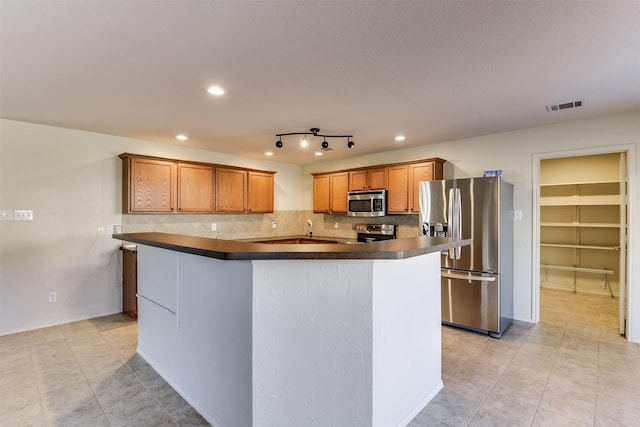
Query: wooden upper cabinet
pixel 195 188
pixel 321 193
pixel 168 186
pixel 330 192
pixel 418 172
pixel 231 190
pixel 151 185
pixel 368 179
pixel 397 190
pixel 377 178
pixel 400 179
pixel 260 192
pixel 358 180
pixel 338 188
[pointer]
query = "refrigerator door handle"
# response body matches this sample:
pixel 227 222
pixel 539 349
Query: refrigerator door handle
pixel 452 226
pixel 465 277
pixel 455 220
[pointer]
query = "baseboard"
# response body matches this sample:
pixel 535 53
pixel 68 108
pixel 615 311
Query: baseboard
pixel 420 406
pixel 191 401
pixel 48 325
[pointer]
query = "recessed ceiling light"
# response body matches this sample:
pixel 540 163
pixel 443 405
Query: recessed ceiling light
pixel 318 153
pixel 182 137
pixel 269 153
pixel 399 138
pixel 215 90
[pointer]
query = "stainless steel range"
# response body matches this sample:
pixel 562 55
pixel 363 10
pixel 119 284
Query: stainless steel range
pixel 375 232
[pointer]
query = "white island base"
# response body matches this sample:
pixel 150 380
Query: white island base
pixel 293 342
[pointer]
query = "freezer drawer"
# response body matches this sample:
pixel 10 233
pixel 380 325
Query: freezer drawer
pixel 471 300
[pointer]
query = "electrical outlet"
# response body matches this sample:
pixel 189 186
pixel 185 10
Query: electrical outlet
pixel 273 224
pixel 336 225
pixel 214 226
pixel 100 231
pixel 23 215
pixel 109 229
pixel 117 229
pixel 53 297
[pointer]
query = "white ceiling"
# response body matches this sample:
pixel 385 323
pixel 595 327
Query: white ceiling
pixel 431 70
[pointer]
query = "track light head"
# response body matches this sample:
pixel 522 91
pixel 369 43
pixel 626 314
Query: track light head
pixel 279 143
pixel 325 144
pixel 351 144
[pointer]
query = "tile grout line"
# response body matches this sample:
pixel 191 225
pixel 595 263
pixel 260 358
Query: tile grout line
pixel 555 359
pixel 484 399
pixel 37 382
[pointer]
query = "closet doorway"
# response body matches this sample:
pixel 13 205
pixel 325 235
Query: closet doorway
pixel 582 226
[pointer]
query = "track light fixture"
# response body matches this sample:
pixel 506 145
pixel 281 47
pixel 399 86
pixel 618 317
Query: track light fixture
pixel 316 132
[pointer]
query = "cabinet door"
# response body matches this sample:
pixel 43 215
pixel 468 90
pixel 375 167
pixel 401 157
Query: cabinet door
pixel 260 192
pixel 195 188
pixel 321 193
pixel 418 172
pixel 231 190
pixel 377 179
pixel 357 180
pixel 152 186
pixel 338 188
pixel 397 201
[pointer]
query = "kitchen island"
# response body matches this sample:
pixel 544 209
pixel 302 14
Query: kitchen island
pixel 293 334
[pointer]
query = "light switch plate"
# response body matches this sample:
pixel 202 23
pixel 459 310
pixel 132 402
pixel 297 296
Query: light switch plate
pixel 6 215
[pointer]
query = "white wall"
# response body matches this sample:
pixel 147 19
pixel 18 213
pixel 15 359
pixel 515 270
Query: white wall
pixel 56 173
pixel 72 182
pixel 513 153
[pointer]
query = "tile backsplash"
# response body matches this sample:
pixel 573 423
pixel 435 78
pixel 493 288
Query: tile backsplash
pixel 244 226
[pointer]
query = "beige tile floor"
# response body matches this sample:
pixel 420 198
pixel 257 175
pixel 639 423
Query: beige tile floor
pixel 85 374
pixel 572 369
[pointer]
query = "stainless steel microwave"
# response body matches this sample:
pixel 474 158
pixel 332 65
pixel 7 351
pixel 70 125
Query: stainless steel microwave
pixel 367 203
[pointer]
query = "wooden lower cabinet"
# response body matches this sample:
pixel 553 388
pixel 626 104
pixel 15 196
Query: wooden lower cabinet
pixel 130 282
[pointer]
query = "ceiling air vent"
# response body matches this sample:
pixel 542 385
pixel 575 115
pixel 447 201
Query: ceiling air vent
pixel 564 106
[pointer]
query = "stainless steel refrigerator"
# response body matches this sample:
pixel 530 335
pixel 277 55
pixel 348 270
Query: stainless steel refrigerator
pixel 477 280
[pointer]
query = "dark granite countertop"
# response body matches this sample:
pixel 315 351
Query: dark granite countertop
pixel 244 250
pixel 305 238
